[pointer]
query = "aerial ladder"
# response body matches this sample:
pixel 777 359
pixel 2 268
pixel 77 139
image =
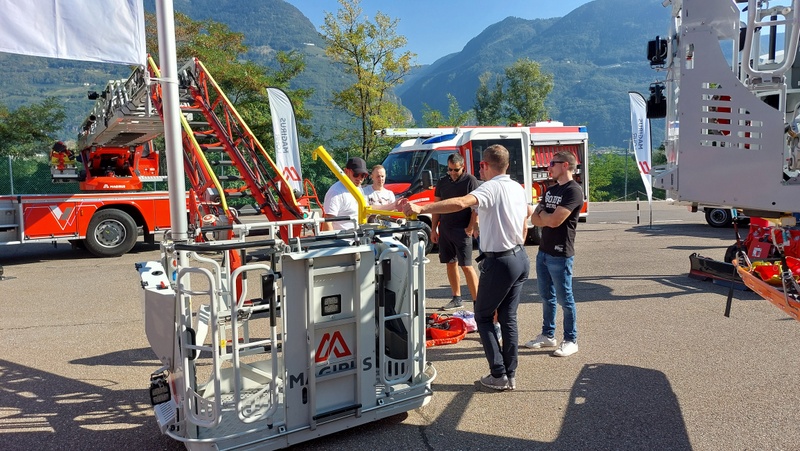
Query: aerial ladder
pixel 117 136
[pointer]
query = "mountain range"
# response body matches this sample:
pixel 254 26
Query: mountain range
pixel 596 53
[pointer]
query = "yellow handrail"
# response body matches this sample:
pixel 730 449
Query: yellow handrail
pixel 364 210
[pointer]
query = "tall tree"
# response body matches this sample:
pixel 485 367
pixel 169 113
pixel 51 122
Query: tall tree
pixel 369 51
pixel 528 88
pixel 455 115
pixel 516 97
pixel 489 101
pixel 244 82
pixel 30 129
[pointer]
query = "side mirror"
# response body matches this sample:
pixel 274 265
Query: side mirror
pixel 427 179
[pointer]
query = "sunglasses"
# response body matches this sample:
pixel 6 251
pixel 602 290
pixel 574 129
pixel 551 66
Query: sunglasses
pixel 454 170
pixel 554 162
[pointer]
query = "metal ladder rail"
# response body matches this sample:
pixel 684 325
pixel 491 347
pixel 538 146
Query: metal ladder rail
pixel 384 363
pixel 204 311
pixel 191 147
pixel 262 185
pixel 418 322
pixel 772 79
pixel 250 408
pixel 197 409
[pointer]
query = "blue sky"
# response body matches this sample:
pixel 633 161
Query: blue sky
pixel 435 28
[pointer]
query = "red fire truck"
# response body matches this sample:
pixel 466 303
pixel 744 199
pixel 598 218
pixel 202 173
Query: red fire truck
pixel 117 157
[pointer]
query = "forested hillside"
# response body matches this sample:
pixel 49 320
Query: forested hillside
pixel 597 53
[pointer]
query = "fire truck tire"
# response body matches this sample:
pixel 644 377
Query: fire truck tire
pixel 111 233
pixel 719 217
pixel 428 243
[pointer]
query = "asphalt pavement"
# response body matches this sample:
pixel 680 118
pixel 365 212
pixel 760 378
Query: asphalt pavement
pixel 659 366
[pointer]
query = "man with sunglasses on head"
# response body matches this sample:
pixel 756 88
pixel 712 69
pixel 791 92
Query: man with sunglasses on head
pixel 339 201
pixel 503 208
pixel 453 231
pixel 557 215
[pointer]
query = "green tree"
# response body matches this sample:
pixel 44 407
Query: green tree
pixel 244 82
pixel 517 97
pixel 455 116
pixel 489 101
pixel 369 51
pixel 30 129
pixel 528 88
pixel 607 178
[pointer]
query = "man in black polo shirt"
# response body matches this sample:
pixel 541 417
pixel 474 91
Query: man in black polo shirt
pixel 453 231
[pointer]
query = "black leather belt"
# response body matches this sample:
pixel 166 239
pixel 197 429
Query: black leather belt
pixel 516 249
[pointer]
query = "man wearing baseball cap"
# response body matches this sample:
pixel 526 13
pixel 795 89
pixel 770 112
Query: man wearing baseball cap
pixel 339 201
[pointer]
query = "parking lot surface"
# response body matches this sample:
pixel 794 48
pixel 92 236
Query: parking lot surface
pixel 659 366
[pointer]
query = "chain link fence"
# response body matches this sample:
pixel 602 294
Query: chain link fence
pixel 30 176
pixel 33 176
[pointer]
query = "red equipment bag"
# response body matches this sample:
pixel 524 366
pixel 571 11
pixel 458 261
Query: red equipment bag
pixel 444 330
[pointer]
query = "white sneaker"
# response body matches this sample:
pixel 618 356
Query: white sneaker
pixel 566 349
pixel 541 341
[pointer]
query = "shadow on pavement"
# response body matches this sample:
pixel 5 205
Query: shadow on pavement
pixel 129 357
pixel 610 407
pixel 622 407
pixel 45 411
pixel 42 252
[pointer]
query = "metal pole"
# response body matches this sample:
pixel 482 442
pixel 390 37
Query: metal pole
pixel 626 168
pixel 165 17
pixel 10 174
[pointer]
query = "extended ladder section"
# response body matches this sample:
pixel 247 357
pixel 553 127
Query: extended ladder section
pixel 128 115
pixel 321 335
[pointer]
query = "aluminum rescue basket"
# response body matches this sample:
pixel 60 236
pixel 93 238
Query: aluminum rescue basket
pixel 308 336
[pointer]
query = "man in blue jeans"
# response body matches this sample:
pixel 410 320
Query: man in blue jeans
pixel 557 215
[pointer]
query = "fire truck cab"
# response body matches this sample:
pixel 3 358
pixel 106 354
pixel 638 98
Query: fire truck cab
pixel 415 165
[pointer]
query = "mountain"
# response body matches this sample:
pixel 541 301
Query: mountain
pixel 596 53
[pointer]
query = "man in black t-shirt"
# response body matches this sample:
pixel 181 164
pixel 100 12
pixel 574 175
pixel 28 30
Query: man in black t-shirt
pixel 557 215
pixel 453 231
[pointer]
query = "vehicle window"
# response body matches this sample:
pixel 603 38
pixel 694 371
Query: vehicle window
pixel 515 162
pixel 438 164
pixel 401 167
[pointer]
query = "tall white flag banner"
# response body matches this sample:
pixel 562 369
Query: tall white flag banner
pixel 108 31
pixel 287 149
pixel 640 137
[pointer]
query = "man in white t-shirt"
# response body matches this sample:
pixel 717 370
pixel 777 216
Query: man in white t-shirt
pixel 377 195
pixel 339 201
pixel 503 209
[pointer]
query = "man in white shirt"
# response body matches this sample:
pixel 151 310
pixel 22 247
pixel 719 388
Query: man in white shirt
pixel 503 209
pixel 377 195
pixel 339 201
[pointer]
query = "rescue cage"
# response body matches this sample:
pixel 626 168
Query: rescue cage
pixel 304 339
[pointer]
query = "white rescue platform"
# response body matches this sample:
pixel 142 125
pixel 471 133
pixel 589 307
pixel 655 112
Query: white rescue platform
pixel 304 339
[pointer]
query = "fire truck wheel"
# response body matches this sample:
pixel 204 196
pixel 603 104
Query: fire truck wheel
pixel 111 233
pixel 719 217
pixel 428 243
